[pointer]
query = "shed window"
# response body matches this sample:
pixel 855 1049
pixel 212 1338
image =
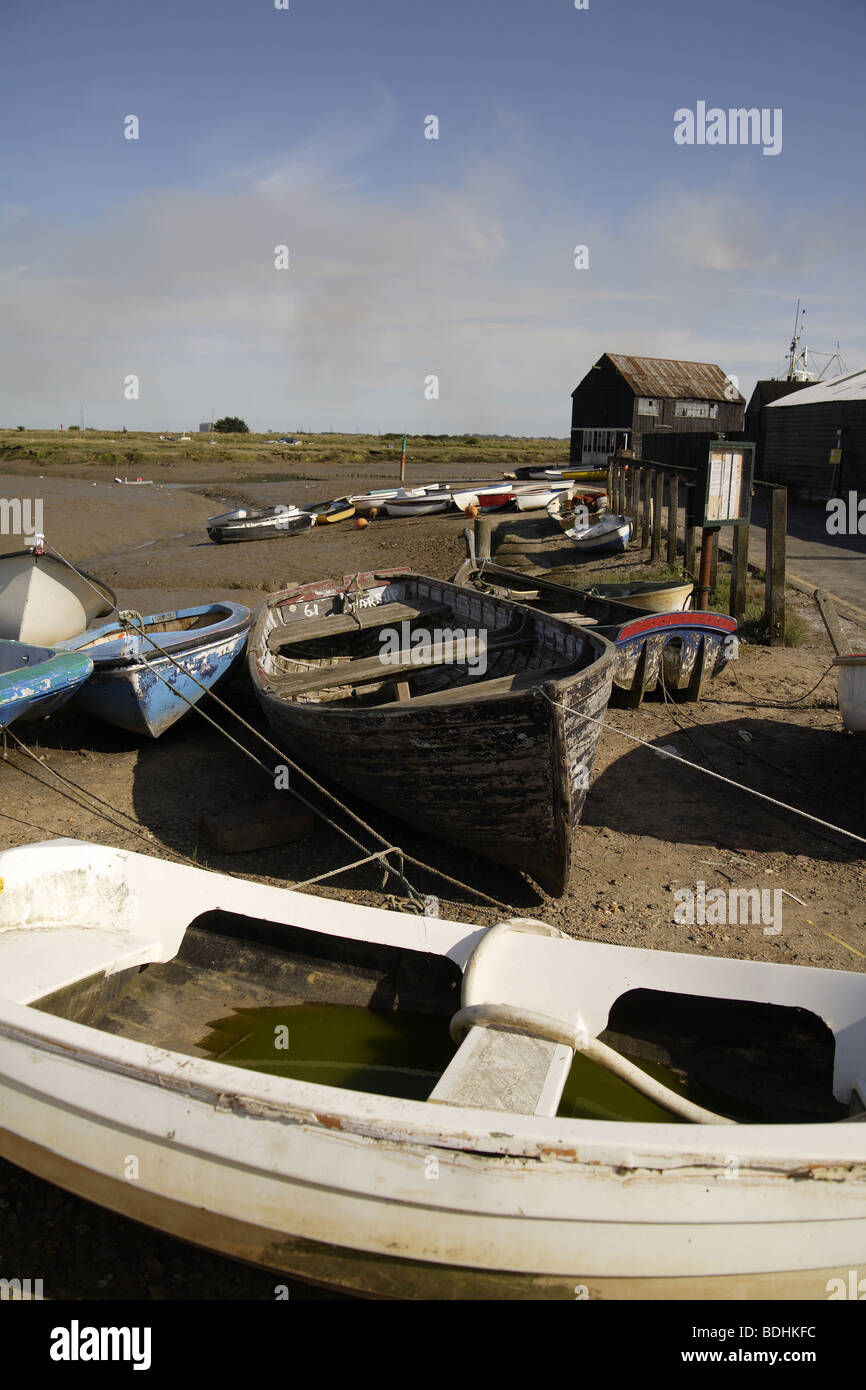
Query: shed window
pixel 647 406
pixel 696 410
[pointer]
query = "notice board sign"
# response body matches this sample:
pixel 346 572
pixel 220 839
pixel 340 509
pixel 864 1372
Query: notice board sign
pixel 723 491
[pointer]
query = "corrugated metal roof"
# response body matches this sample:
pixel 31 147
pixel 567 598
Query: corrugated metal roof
pixel 839 388
pixel 666 377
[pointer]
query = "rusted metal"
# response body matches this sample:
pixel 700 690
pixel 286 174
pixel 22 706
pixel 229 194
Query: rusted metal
pixel 672 377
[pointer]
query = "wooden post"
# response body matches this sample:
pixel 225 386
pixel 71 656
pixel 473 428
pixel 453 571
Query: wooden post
pixel 610 484
pixel 634 500
pixel 739 572
pixel 777 535
pixel 648 478
pixel 690 558
pixel 658 504
pixel 714 565
pixel 403 461
pixel 673 518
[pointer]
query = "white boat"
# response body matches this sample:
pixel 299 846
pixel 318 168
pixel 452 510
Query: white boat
pixel 612 532
pixel 418 501
pixel 536 499
pixel 561 505
pixel 480 1188
pixel 135 482
pixel 852 690
pixel 43 600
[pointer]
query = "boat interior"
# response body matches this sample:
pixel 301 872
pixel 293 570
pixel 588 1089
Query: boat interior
pixel 454 646
pixel 163 622
pixel 298 1003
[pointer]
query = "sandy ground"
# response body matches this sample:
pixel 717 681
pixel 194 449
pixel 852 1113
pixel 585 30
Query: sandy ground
pixel 649 826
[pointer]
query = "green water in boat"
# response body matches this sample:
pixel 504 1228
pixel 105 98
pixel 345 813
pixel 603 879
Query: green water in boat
pixel 404 1054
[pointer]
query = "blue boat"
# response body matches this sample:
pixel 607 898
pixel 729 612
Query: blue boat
pixel 145 679
pixel 35 681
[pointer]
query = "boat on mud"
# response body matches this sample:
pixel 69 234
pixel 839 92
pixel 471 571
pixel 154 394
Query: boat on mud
pixel 148 673
pixel 581 1106
pixel 460 713
pixel 44 599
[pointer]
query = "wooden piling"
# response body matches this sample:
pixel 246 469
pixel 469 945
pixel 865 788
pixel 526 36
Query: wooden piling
pixel 658 504
pixel 777 535
pixel 647 507
pixel 673 518
pixel 739 572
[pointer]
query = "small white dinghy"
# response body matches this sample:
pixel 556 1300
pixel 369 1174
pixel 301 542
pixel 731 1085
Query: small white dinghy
pixel 425 1174
pixel 612 532
pixel 43 600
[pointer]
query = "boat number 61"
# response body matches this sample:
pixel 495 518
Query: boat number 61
pixel 311 610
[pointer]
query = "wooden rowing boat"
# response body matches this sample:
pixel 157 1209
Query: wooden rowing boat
pixel 35 681
pixel 562 507
pixel 448 731
pixel 246 524
pixel 146 679
pixel 418 501
pixel 143 1007
pixel 43 599
pixel 681 651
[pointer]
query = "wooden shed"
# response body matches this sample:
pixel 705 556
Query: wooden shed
pixel 622 398
pixel 815 441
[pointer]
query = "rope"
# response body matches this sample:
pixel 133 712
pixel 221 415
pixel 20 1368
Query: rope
pixel 134 620
pixel 663 753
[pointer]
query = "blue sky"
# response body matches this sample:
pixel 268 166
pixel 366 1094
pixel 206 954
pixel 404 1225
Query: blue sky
pixel 412 257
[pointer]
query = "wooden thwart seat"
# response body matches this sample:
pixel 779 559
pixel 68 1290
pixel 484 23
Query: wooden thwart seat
pixel 382 614
pixel 497 1070
pixel 374 668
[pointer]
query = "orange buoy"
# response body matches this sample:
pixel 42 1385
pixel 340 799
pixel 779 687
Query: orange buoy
pixel 361 523
pixel 373 513
pixel 471 510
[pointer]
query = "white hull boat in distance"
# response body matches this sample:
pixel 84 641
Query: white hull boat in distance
pixel 612 532
pixel 852 690
pixel 418 502
pixel 539 1191
pixel 43 600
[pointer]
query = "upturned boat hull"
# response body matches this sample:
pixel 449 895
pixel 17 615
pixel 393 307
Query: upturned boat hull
pixel 242 525
pixel 43 600
pixel 500 771
pixel 403 1197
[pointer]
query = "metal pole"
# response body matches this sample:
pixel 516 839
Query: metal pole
pixel 403 461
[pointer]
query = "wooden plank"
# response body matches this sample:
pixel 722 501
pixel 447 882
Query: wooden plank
pixel 374 668
pixel 777 535
pixel 498 1070
pixel 513 684
pixel 673 519
pixel 658 503
pixel 840 642
pixel 380 615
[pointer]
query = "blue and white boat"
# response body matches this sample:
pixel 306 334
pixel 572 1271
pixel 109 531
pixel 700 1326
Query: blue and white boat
pixel 35 681
pixel 610 532
pixel 144 680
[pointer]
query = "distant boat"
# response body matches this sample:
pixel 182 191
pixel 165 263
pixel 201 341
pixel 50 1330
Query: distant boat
pixel 418 502
pixel 680 650
pixel 585 475
pixel 44 600
pixel 454 735
pixel 135 482
pixel 612 532
pixel 268 523
pixel 136 684
pixel 326 513
pixel 434 1135
pixel 35 681
pixel 852 690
